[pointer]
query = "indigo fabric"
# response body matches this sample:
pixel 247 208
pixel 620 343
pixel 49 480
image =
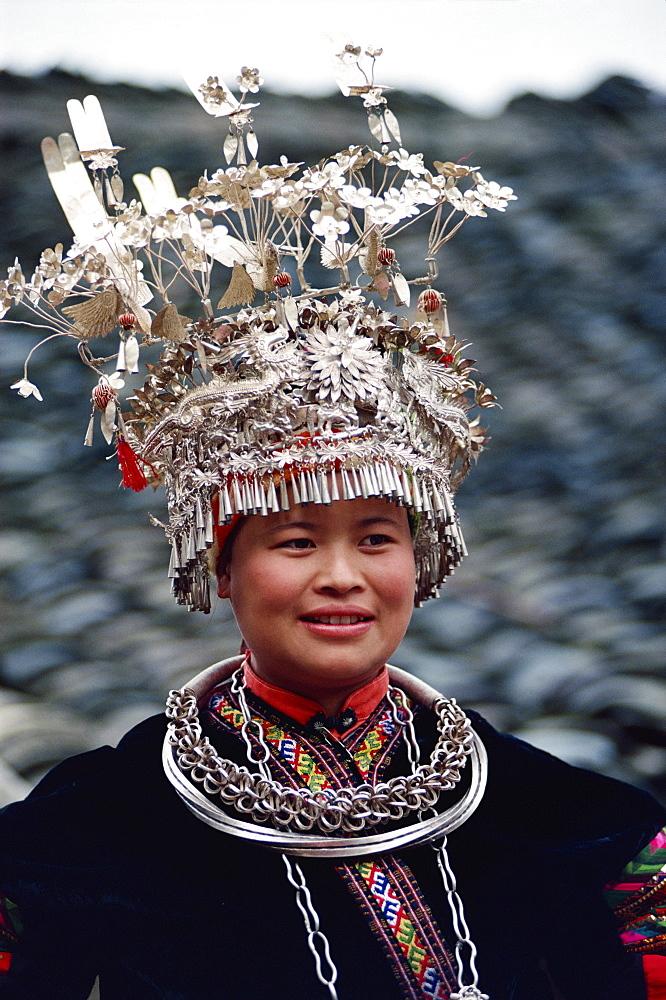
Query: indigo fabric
pixel 114 877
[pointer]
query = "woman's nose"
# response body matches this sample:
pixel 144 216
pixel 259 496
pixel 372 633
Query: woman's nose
pixel 339 570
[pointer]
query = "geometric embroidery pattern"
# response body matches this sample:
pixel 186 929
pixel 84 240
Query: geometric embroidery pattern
pixel 401 921
pixel 316 764
pixel 638 898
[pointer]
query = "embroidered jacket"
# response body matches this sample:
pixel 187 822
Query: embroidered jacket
pixel 113 877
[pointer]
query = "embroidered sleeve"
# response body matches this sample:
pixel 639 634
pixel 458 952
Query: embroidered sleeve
pixel 10 928
pixel 638 899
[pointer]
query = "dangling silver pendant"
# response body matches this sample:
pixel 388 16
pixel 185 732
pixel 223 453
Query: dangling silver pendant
pixel 469 993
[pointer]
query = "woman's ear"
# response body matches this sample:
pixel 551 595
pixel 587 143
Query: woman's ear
pixel 224 584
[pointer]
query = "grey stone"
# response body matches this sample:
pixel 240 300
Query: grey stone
pixel 548 672
pixel 80 609
pixel 576 746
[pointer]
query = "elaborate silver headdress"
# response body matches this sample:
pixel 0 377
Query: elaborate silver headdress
pixel 310 396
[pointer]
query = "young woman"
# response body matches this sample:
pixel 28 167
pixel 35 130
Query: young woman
pixel 308 822
pixel 114 877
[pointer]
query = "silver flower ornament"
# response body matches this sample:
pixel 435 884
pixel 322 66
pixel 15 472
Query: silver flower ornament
pixel 343 364
pixel 26 388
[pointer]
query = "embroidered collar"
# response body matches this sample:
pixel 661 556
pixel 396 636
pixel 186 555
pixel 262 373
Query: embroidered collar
pixel 360 704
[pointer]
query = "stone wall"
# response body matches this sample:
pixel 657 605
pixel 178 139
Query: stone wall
pixel 553 626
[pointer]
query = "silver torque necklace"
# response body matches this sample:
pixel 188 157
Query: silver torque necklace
pixel 189 758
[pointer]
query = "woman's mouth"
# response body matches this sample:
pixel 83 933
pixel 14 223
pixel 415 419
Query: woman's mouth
pixel 338 627
pixel 336 619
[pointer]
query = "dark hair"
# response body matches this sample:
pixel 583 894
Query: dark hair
pixel 224 557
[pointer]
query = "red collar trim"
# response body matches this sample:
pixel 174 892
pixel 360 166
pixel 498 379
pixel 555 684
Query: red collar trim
pixel 363 701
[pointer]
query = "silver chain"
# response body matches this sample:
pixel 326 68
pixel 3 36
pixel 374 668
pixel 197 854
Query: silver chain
pixel 317 940
pixel 407 725
pixel 461 929
pixel 464 943
pixel 350 810
pixel 315 935
pixel 238 688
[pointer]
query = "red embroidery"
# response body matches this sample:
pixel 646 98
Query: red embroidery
pixel 654 967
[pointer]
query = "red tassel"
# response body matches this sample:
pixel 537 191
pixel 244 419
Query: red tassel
pixel 133 477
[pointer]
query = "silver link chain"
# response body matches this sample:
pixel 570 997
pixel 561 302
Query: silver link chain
pixel 464 941
pixel 348 809
pixel 295 874
pixel 238 688
pixel 471 990
pixel 409 733
pixel 314 932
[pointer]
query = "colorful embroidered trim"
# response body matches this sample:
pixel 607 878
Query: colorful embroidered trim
pixel 313 761
pixel 638 899
pixel 10 929
pixel 400 919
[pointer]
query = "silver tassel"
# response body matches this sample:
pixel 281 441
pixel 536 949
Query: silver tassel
pixel 209 536
pixel 364 482
pixel 347 492
pixel 272 496
pixel 294 489
pixel 314 488
pixel 175 552
pixel 335 493
pixel 357 488
pixel 191 547
pixel 323 487
pixel 259 497
pixel 225 509
pixel 199 517
pixel 238 503
pixel 392 473
pixel 380 475
pixel 386 480
pixel 305 493
pixel 418 502
pixel 248 503
pixel 437 502
pixel 406 490
pixel 451 514
pixel 88 440
pixel 284 496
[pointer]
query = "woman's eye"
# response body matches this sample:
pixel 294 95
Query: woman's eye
pixel 297 543
pixel 375 540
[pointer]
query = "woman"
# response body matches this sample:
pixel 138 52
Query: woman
pixel 312 824
pixel 123 882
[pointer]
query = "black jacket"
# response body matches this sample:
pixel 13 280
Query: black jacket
pixel 114 877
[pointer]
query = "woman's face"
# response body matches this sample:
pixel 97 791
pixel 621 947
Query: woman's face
pixel 322 595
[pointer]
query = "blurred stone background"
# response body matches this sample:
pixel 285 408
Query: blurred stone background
pixel 553 627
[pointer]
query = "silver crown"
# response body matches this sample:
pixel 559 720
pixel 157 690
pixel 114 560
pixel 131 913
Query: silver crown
pixel 309 395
